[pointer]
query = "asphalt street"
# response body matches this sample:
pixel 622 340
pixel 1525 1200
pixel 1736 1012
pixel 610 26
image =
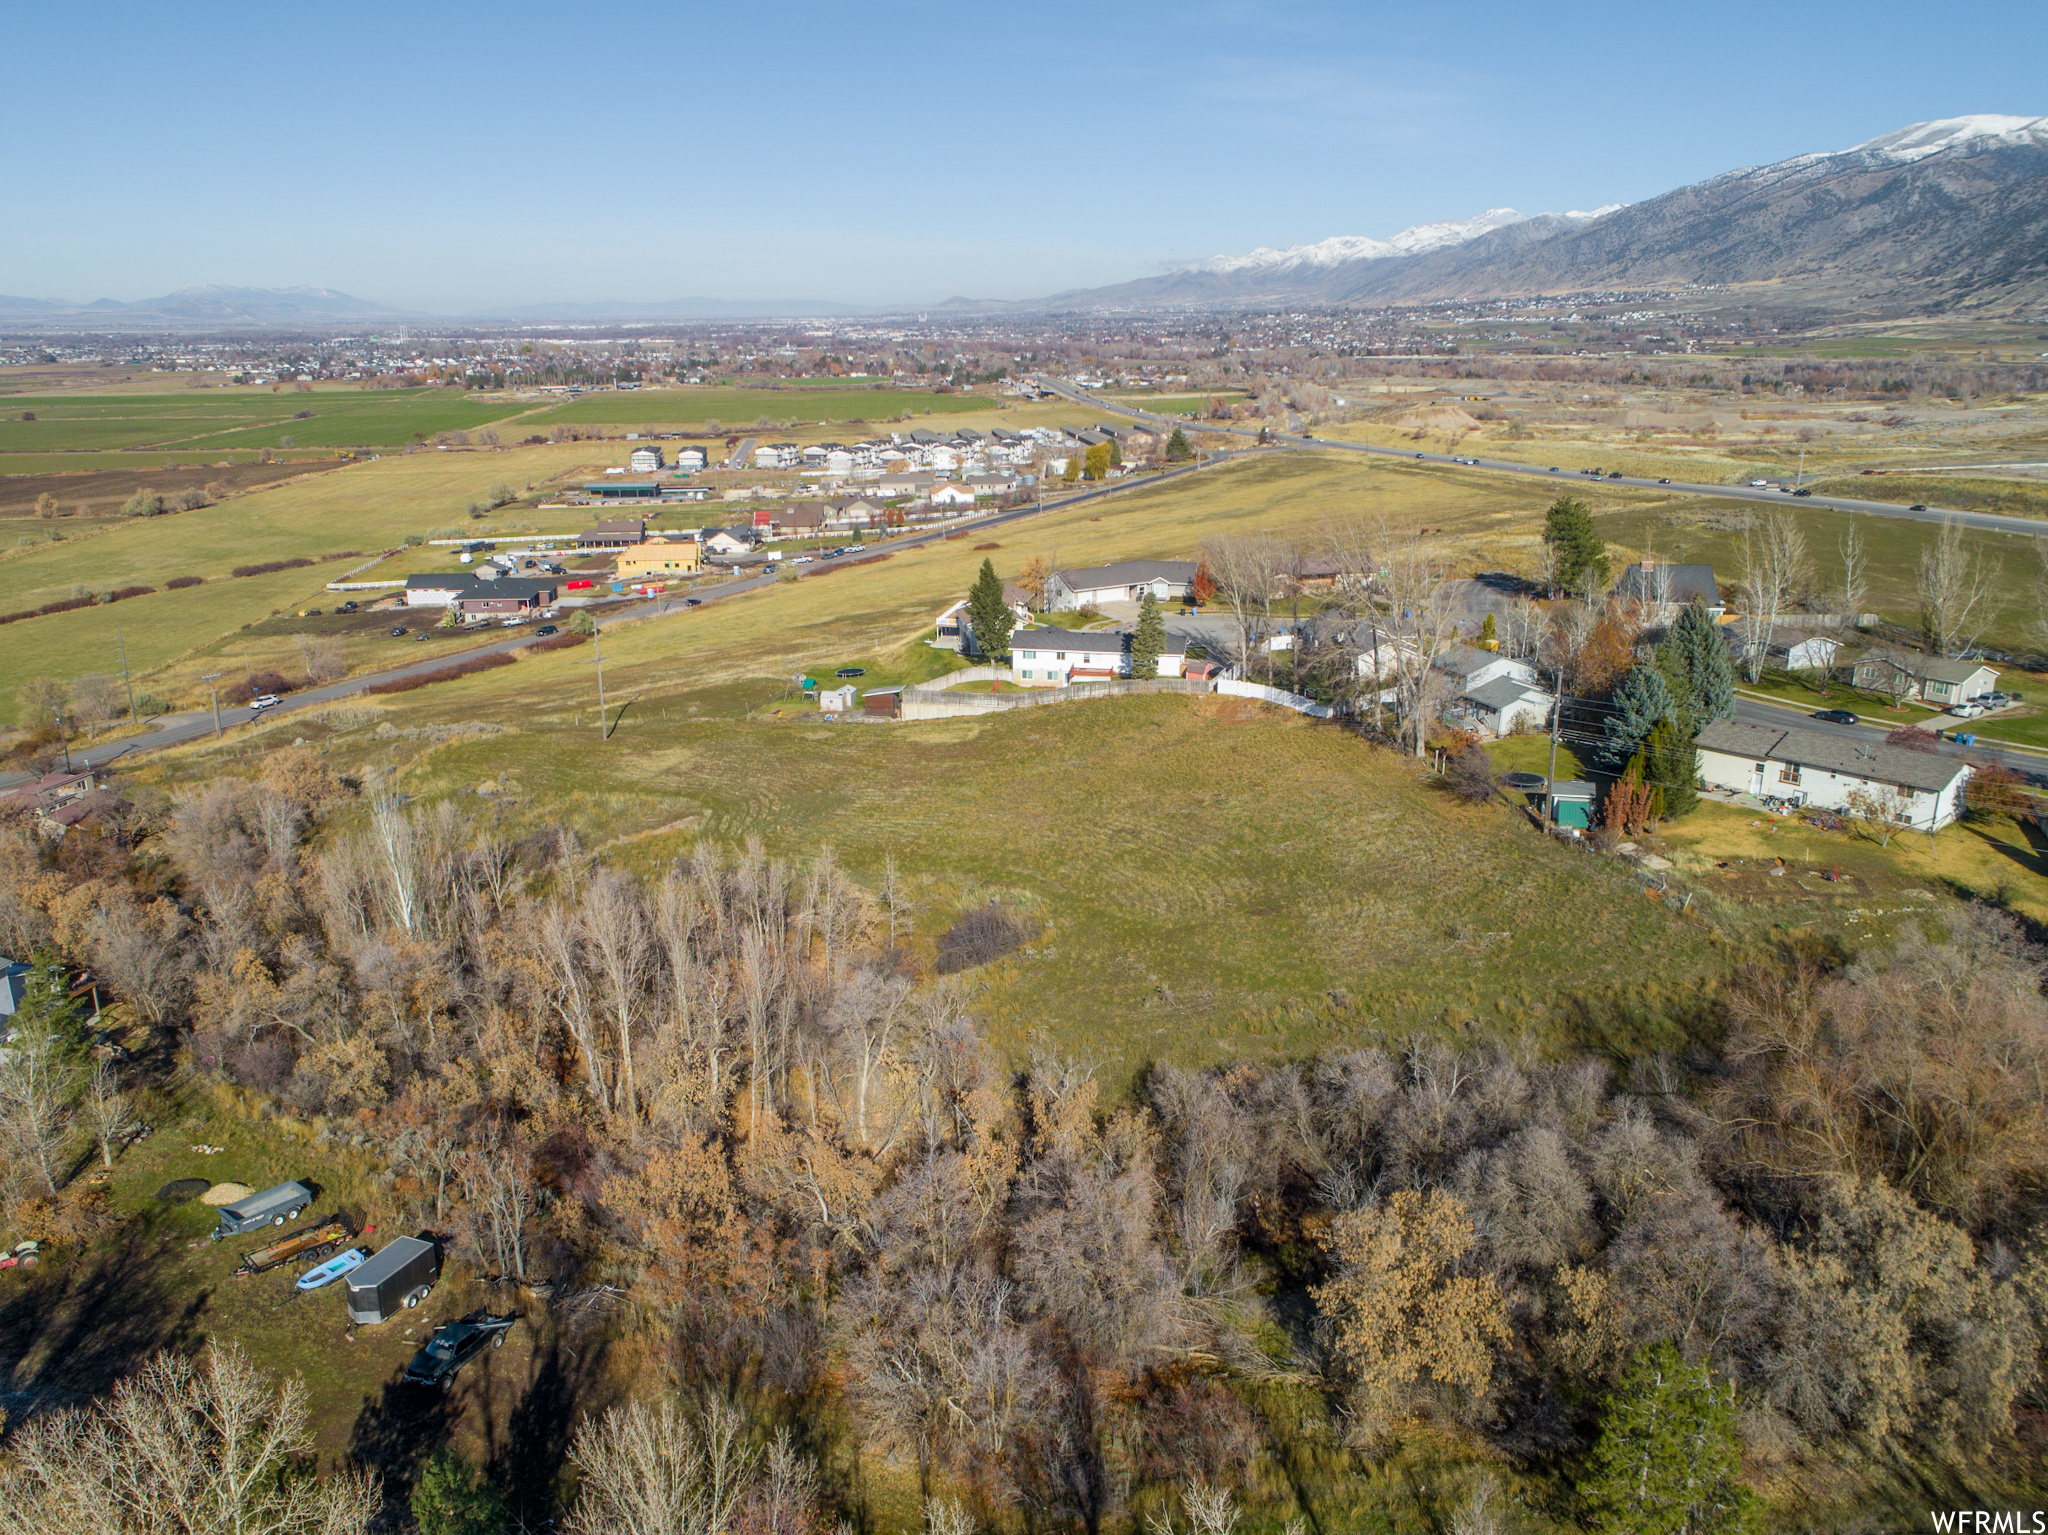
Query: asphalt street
pixel 1989 522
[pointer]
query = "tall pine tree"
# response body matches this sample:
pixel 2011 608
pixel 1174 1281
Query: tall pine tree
pixel 1694 660
pixel 1668 1461
pixel 1575 544
pixel 1177 449
pixel 1148 640
pixel 1638 706
pixel 1671 764
pixel 989 615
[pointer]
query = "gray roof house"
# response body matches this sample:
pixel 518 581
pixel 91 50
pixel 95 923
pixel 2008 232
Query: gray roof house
pixel 1124 581
pixel 1662 581
pixel 1822 769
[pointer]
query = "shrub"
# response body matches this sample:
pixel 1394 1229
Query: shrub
pixel 269 567
pixel 254 685
pixel 63 605
pixel 985 934
pixel 979 547
pixel 144 503
pixel 557 642
pixel 414 540
pixel 150 703
pixel 1470 774
pixel 342 554
pixel 179 583
pixel 120 593
pixel 442 674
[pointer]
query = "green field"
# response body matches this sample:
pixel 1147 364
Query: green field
pixel 739 408
pixel 203 423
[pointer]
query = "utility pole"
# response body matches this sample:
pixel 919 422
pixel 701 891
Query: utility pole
pixel 126 680
pixel 1799 479
pixel 212 681
pixel 65 736
pixel 597 640
pixel 1550 778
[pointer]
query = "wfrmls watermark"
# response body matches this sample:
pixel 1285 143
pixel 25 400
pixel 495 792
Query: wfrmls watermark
pixel 1985 1521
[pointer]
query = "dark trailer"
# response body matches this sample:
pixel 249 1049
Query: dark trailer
pixel 399 1276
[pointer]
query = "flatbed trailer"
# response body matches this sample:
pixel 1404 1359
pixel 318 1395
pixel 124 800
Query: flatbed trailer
pixel 320 1242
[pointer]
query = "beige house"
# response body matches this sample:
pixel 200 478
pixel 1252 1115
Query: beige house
pixel 660 557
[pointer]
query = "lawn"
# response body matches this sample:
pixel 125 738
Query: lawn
pixel 738 409
pixel 205 422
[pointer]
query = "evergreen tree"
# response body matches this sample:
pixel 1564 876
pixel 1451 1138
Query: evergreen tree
pixel 1568 530
pixel 1671 763
pixel 1177 449
pixel 1489 634
pixel 989 615
pixel 1148 640
pixel 1667 1460
pixel 453 1498
pixel 1638 705
pixel 1694 660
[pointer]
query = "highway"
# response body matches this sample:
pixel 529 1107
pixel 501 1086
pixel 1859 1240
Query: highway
pixel 1989 522
pixel 182 729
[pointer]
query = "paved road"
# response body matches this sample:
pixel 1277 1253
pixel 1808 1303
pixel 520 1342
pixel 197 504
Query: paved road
pixel 741 457
pixel 180 729
pixel 1989 522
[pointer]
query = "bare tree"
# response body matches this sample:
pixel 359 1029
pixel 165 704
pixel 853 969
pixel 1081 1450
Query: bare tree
pixel 1246 568
pixel 647 1471
pixel 1422 620
pixel 38 1085
pixel 95 699
pixel 395 844
pixel 181 1447
pixel 322 657
pixel 621 952
pixel 1772 567
pixel 1958 600
pixel 497 1180
pixel 106 1109
pixel 1855 574
pixel 1527 626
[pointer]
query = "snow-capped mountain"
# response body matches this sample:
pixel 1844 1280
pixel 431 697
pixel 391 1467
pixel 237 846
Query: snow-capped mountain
pixel 1931 216
pixel 1417 240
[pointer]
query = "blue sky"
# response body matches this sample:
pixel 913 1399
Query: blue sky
pixel 448 157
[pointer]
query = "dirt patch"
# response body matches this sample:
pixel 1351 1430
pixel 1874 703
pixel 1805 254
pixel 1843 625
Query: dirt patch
pixel 104 491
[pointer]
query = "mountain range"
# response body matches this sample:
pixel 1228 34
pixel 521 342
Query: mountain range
pixel 1936 217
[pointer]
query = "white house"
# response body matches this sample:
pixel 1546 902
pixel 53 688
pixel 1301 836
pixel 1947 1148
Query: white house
pixel 691 458
pixel 1940 682
pixel 438 590
pixel 955 632
pixel 645 460
pixel 1496 691
pixel 723 541
pixel 1051 658
pixel 952 495
pixel 1824 770
pixel 1125 581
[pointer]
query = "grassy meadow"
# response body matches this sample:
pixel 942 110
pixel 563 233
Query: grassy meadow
pixel 203 421
pixel 738 409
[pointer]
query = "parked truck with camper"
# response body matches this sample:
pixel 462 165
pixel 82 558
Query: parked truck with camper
pixel 400 1276
pixel 273 1207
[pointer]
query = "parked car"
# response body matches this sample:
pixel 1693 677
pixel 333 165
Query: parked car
pixel 264 701
pixel 397 631
pixel 1967 711
pixel 346 607
pixel 1835 716
pixel 453 1345
pixel 545 630
pixel 693 602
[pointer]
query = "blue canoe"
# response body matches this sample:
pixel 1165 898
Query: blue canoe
pixel 331 1270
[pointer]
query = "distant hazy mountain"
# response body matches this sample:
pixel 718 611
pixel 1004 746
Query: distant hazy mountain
pixel 1934 216
pixel 207 307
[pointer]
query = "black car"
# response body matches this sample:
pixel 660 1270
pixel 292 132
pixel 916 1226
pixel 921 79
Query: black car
pixel 398 631
pixel 545 629
pixel 1615 476
pixel 1663 482
pixel 1917 506
pixel 1802 492
pixel 693 602
pixel 1835 716
pixel 454 1344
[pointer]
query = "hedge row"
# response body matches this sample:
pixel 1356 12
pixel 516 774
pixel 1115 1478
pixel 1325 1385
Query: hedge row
pixel 442 674
pixel 179 583
pixel 269 567
pixel 558 642
pixel 72 604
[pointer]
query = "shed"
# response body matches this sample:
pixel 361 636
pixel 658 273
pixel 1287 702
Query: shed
pixel 836 700
pixel 1573 799
pixel 884 703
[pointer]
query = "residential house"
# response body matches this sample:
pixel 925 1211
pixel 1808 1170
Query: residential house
pixel 800 519
pixel 852 512
pixel 1663 584
pixel 646 460
pixel 689 460
pixel 1824 770
pixel 1052 658
pixel 1125 581
pixel 13 987
pixel 437 589
pixel 612 535
pixel 989 486
pixel 728 542
pixel 1944 683
pixel 1941 683
pixel 902 487
pixel 954 632
pixel 1497 692
pixel 660 557
pixel 952 496
pixel 505 597
pixel 1797 650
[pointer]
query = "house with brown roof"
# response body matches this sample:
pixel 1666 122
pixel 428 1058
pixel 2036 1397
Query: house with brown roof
pixel 612 535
